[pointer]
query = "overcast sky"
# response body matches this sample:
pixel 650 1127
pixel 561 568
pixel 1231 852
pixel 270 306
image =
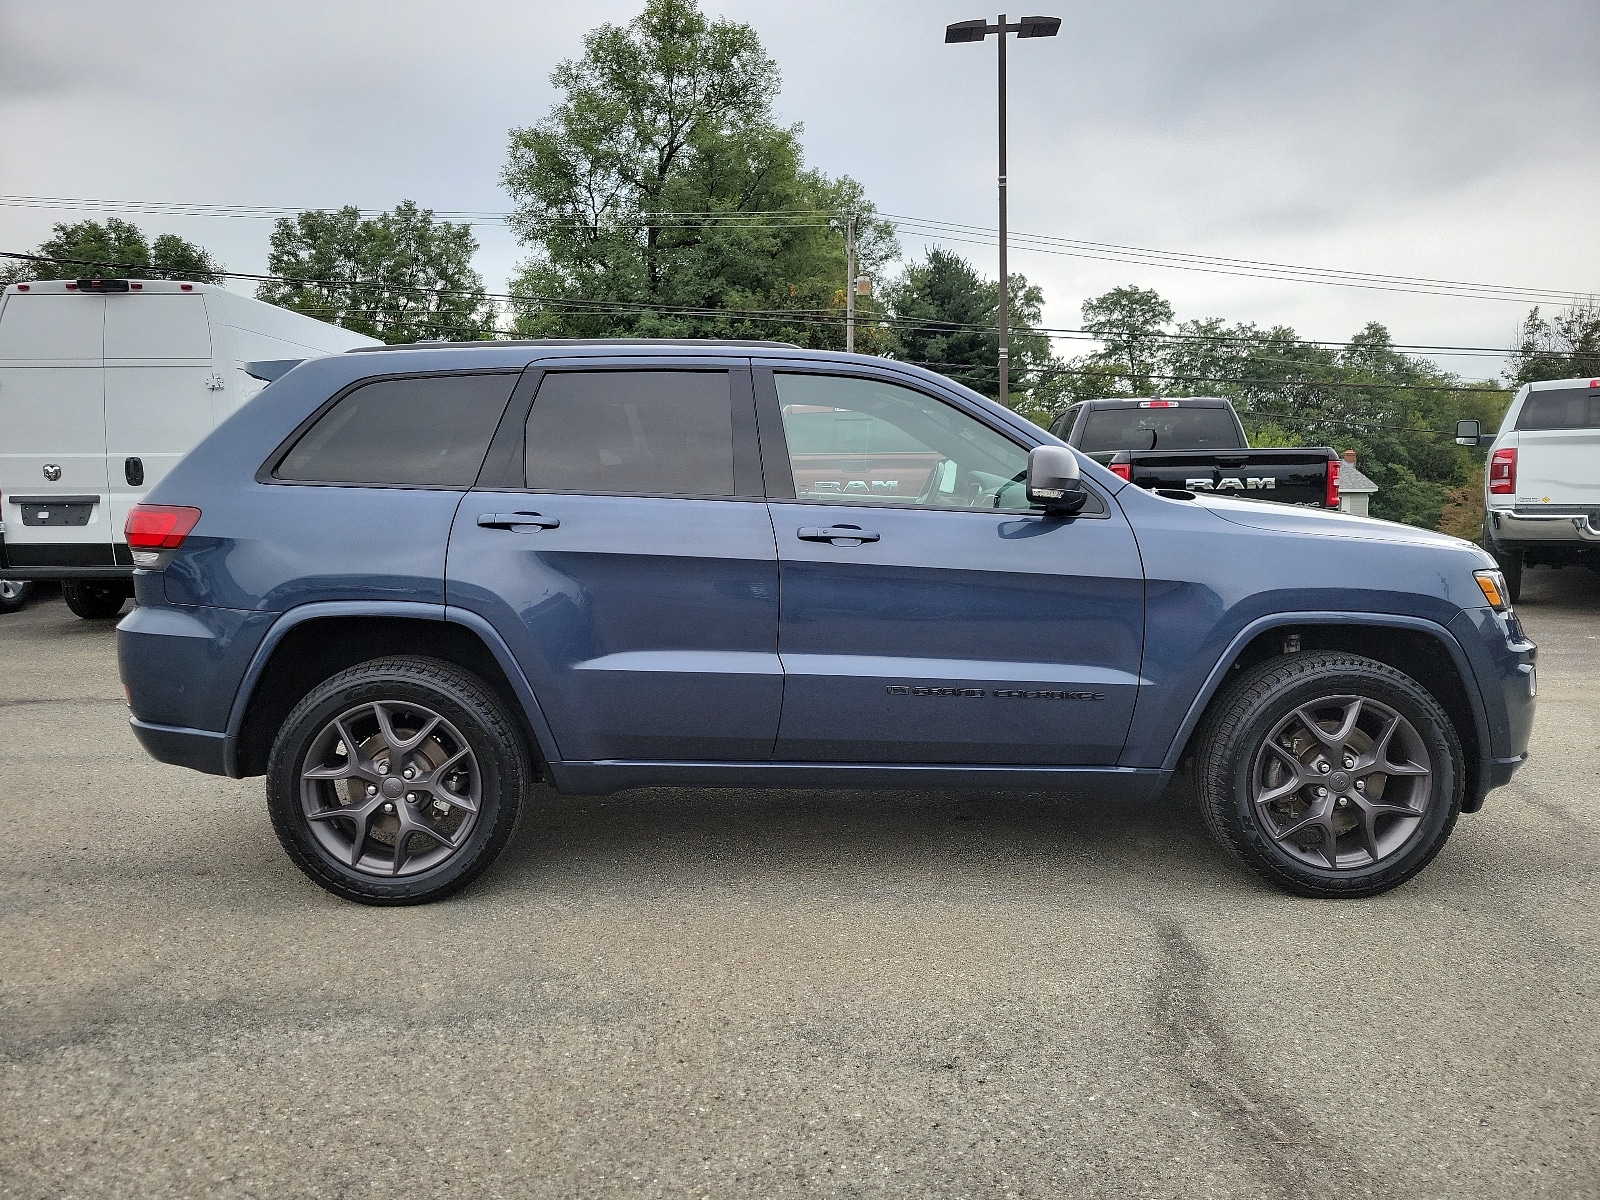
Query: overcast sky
pixel 1450 139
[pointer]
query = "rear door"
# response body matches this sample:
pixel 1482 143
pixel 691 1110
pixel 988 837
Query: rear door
pixel 620 544
pixel 929 615
pixel 158 389
pixel 1558 450
pixel 52 430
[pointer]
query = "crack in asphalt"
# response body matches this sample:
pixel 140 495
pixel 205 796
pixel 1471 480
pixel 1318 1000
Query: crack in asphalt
pixel 1265 1124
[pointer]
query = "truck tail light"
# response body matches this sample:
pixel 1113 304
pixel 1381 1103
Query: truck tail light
pixel 1332 498
pixel 1122 470
pixel 1503 472
pixel 154 530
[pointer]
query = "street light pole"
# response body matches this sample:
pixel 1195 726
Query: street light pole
pixel 976 31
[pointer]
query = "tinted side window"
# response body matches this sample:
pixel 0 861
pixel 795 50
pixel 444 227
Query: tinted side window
pixel 632 432
pixel 863 441
pixel 1561 408
pixel 431 431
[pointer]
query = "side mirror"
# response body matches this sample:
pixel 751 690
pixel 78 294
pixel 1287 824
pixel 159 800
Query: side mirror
pixel 1467 433
pixel 1054 481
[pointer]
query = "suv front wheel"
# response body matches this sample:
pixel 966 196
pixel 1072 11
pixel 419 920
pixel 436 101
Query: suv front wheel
pixel 1330 774
pixel 397 781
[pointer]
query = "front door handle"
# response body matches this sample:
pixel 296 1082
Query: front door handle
pixel 518 521
pixel 839 535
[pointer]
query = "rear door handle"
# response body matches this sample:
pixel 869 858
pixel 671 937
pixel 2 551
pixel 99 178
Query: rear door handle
pixel 520 521
pixel 839 535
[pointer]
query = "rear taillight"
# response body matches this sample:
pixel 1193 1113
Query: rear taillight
pixel 1123 471
pixel 153 530
pixel 1503 472
pixel 1331 500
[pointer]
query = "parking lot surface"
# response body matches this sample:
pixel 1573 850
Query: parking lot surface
pixel 687 993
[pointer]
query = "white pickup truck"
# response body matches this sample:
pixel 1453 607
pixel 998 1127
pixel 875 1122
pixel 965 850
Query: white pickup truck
pixel 1542 481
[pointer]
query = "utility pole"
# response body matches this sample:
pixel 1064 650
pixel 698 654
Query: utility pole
pixel 850 285
pixel 976 31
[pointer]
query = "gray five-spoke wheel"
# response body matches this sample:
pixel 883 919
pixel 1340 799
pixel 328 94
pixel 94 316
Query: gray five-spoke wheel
pixel 390 788
pixel 1342 782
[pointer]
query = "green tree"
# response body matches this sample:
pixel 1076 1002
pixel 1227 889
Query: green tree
pixel 1395 411
pixel 120 249
pixel 660 193
pixel 1566 346
pixel 1130 323
pixel 946 316
pixel 401 276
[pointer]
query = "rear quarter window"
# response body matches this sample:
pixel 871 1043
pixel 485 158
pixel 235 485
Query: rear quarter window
pixel 429 431
pixel 1561 408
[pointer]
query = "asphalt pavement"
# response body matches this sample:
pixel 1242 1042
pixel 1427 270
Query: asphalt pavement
pixel 771 994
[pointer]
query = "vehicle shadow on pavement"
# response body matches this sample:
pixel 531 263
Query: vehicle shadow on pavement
pixel 913 842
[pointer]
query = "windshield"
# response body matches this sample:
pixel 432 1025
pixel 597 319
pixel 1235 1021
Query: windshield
pixel 1160 429
pixel 1561 408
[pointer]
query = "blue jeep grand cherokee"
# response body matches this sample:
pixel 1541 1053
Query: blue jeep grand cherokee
pixel 405 584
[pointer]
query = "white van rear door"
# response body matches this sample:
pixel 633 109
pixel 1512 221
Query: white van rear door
pixel 1558 449
pixel 159 377
pixel 52 429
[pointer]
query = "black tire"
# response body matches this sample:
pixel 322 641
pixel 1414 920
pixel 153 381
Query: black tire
pixel 1509 562
pixel 1235 758
pixel 96 601
pixel 14 595
pixel 468 711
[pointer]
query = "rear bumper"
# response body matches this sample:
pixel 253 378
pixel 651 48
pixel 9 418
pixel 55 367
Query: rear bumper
pixel 65 560
pixel 67 573
pixel 197 749
pixel 1577 530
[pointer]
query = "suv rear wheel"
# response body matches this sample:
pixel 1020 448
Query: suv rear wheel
pixel 1330 774
pixel 397 781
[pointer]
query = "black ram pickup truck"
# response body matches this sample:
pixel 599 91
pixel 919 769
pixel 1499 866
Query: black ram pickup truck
pixel 1196 444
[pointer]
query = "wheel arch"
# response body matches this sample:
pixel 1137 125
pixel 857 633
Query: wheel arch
pixel 1424 650
pixel 315 641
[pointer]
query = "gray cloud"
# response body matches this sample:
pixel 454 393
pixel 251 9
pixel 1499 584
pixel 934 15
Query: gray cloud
pixel 1447 139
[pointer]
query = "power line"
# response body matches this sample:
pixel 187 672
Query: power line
pixel 919 226
pixel 1368 385
pixel 771 316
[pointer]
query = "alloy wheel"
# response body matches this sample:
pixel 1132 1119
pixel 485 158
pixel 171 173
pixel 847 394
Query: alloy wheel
pixel 1342 782
pixel 390 788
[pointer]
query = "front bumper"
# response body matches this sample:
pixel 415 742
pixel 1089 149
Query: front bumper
pixel 1504 665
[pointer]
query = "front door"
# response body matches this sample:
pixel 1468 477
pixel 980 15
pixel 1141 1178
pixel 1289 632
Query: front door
pixel 929 615
pixel 621 546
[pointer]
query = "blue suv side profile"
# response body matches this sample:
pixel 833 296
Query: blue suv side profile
pixel 407 583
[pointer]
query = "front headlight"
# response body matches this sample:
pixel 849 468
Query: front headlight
pixel 1493 586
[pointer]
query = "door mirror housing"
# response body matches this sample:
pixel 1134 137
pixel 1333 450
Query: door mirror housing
pixel 1467 433
pixel 1054 481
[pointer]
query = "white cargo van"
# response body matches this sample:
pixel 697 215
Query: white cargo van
pixel 1542 481
pixel 104 386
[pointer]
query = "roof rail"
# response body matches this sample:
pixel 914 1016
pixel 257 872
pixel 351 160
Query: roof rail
pixel 435 342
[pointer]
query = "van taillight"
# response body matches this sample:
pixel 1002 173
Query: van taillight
pixel 159 526
pixel 1123 471
pixel 1503 472
pixel 1332 498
